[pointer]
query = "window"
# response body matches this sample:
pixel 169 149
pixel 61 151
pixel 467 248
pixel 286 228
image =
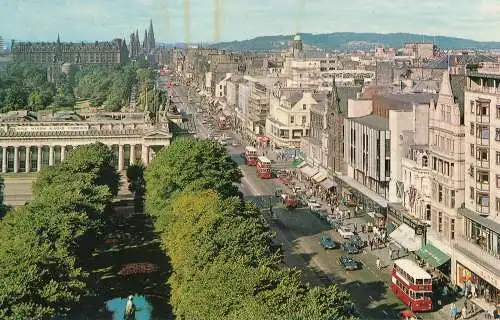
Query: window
pixel 452 168
pixel 452 199
pixel 452 229
pixel 471 149
pixel 497 134
pixel 498 111
pixel 424 161
pixel 498 180
pixel 472 128
pixel 304 119
pixel 471 195
pixel 497 156
pixel 434 163
pixel 440 222
pixel 440 193
pixel 292 119
pixel 472 107
pixel 304 107
pixel 497 204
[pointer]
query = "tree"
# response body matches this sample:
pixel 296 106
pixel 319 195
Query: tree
pixel 44 243
pixel 190 164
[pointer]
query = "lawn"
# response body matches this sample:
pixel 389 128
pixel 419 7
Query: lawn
pixel 130 261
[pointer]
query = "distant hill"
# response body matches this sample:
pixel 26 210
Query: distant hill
pixel 352 41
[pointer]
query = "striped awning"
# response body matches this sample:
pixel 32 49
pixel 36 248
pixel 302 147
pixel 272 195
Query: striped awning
pixel 320 176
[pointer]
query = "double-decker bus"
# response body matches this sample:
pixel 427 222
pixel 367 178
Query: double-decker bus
pixel 251 156
pixel 412 284
pixel 264 170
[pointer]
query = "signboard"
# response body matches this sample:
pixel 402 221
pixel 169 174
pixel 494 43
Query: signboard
pixel 49 128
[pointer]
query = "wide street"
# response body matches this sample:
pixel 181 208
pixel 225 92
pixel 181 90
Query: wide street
pixel 298 232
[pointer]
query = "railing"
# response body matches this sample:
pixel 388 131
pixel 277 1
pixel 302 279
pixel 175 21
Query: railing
pixel 485 164
pixel 483 186
pixel 482 210
pixel 484 89
pixel 478 253
pixel 483 118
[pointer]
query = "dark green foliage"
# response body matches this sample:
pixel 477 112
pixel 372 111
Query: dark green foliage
pixel 110 86
pixel 224 263
pixel 135 178
pixel 44 243
pixel 25 86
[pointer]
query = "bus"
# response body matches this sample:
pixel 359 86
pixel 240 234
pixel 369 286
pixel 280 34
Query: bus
pixel 264 170
pixel 412 285
pixel 251 156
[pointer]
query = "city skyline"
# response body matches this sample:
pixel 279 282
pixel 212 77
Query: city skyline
pixel 97 20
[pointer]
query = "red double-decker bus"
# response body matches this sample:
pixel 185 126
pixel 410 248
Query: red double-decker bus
pixel 264 170
pixel 412 284
pixel 251 156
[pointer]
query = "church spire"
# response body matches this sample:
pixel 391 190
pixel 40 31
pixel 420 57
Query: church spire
pixel 151 37
pixel 145 41
pixel 58 39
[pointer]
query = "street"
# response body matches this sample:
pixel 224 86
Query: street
pixel 298 232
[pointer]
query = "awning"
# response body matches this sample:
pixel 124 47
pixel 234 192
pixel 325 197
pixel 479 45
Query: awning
pixel 328 184
pixel 433 255
pixel 320 176
pixel 406 237
pixel 298 163
pixel 308 171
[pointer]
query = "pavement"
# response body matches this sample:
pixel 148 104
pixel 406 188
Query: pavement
pixel 298 232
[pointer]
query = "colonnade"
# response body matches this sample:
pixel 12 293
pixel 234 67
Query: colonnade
pixel 32 158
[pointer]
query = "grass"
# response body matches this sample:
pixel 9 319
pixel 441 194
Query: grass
pixel 133 242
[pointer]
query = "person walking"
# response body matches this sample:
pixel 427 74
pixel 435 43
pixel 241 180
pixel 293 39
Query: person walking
pixel 453 311
pixel 371 244
pixel 378 263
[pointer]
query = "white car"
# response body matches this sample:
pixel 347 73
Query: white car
pixel 345 233
pixel 312 204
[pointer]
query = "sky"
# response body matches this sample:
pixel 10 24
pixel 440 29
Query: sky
pixel 199 20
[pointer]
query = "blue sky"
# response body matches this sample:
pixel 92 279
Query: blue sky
pixel 88 20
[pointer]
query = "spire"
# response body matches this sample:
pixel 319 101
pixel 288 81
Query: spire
pixel 151 36
pixel 445 91
pixel 58 39
pixel 145 40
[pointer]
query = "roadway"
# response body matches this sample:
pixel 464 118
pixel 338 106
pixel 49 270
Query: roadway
pixel 298 232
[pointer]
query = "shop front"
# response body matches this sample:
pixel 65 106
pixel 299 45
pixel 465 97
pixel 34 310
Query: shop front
pixel 479 284
pixel 361 197
pixel 417 229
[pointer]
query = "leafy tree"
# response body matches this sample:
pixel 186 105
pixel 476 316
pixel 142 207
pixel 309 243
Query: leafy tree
pixel 190 164
pixel 44 243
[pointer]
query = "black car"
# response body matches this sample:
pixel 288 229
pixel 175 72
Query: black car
pixel 350 248
pixel 349 263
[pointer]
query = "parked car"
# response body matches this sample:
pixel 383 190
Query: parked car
pixel 345 232
pixel 313 205
pixel 328 243
pixel 350 248
pixel 349 263
pixel 357 241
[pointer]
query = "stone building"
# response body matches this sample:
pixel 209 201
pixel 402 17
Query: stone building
pixel 82 54
pixel 27 144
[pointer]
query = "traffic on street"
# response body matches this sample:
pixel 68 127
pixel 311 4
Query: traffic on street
pixel 301 230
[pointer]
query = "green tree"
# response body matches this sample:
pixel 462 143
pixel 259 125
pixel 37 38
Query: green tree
pixel 190 164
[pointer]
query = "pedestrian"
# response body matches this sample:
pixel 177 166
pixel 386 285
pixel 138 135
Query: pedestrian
pixel 378 263
pixel 349 214
pixel 355 228
pixel 371 244
pixel 453 311
pixel 473 290
pixel 463 314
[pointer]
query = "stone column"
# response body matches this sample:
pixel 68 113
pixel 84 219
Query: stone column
pixel 16 159
pixel 120 157
pixel 39 159
pixel 51 155
pixel 4 159
pixel 145 154
pixel 63 150
pixel 132 154
pixel 28 159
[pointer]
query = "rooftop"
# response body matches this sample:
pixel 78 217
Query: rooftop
pixel 373 121
pixel 406 100
pixel 457 60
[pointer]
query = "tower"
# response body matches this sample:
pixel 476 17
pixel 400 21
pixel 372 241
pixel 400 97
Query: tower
pixel 132 52
pixel 297 46
pixel 151 37
pixel 145 41
pixel 137 43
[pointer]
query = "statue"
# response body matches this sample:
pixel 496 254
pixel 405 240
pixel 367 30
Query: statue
pixel 147 118
pixel 129 309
